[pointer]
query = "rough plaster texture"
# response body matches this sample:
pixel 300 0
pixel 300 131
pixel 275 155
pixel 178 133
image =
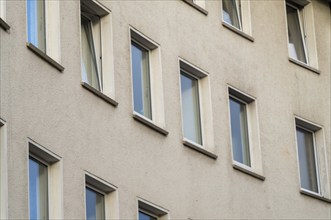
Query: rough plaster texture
pixel 53 109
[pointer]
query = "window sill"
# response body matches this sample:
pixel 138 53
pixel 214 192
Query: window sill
pixel 44 56
pixel 4 25
pixel 149 123
pixel 99 94
pixel 304 65
pixel 199 148
pixel 314 195
pixel 237 31
pixel 202 10
pixel 247 170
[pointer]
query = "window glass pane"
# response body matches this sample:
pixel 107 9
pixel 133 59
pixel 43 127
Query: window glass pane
pixel 190 108
pixel 239 132
pixel 307 163
pixel 141 81
pixel 144 216
pixel 36 23
pixel 89 65
pixel 231 12
pixel 38 190
pixel 296 42
pixel 95 205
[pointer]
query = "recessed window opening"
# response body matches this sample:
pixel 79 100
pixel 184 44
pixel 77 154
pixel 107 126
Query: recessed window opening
pixel 232 13
pixel 239 131
pixel 141 79
pixel 36 19
pixel 308 162
pixel 91 48
pixel 38 188
pixel 296 33
pixel 143 215
pixel 95 203
pixel 191 107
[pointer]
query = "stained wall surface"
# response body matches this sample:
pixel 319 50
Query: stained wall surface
pixel 50 107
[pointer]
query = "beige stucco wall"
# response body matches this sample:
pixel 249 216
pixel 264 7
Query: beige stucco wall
pixel 53 109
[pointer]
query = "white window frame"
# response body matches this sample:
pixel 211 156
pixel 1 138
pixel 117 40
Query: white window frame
pixel 152 209
pixel 206 119
pixel 106 70
pixel 55 177
pixel 321 161
pixel 110 192
pixel 256 167
pixel 3 171
pixel 156 83
pixel 307 27
pixel 244 14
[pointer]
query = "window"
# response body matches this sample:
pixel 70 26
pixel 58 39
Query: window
pixel 307 159
pixel 245 142
pixel 236 17
pixel 97 67
pixel 191 107
pixel 37 23
pixel 200 5
pixel 149 211
pixel 239 131
pixel 3 23
pixel 301 33
pixel 196 109
pixel 141 80
pixel 232 12
pixel 312 164
pixel 147 88
pixel 146 216
pixel 3 171
pixel 45 183
pixel 101 199
pixel 297 45
pixel 43 30
pixel 38 189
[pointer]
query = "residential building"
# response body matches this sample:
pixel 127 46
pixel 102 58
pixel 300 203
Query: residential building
pixel 182 109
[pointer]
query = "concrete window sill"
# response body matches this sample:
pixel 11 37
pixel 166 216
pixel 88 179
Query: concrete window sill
pixel 248 171
pixel 4 25
pixel 149 123
pixel 99 94
pixel 315 195
pixel 235 30
pixel 44 56
pixel 199 148
pixel 304 65
pixel 197 7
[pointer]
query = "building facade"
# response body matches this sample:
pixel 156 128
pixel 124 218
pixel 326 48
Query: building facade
pixel 182 109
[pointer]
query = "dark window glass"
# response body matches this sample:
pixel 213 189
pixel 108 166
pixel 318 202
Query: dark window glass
pixel 38 190
pixel 95 205
pixel 239 132
pixel 144 216
pixel 141 80
pixel 307 163
pixel 190 108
